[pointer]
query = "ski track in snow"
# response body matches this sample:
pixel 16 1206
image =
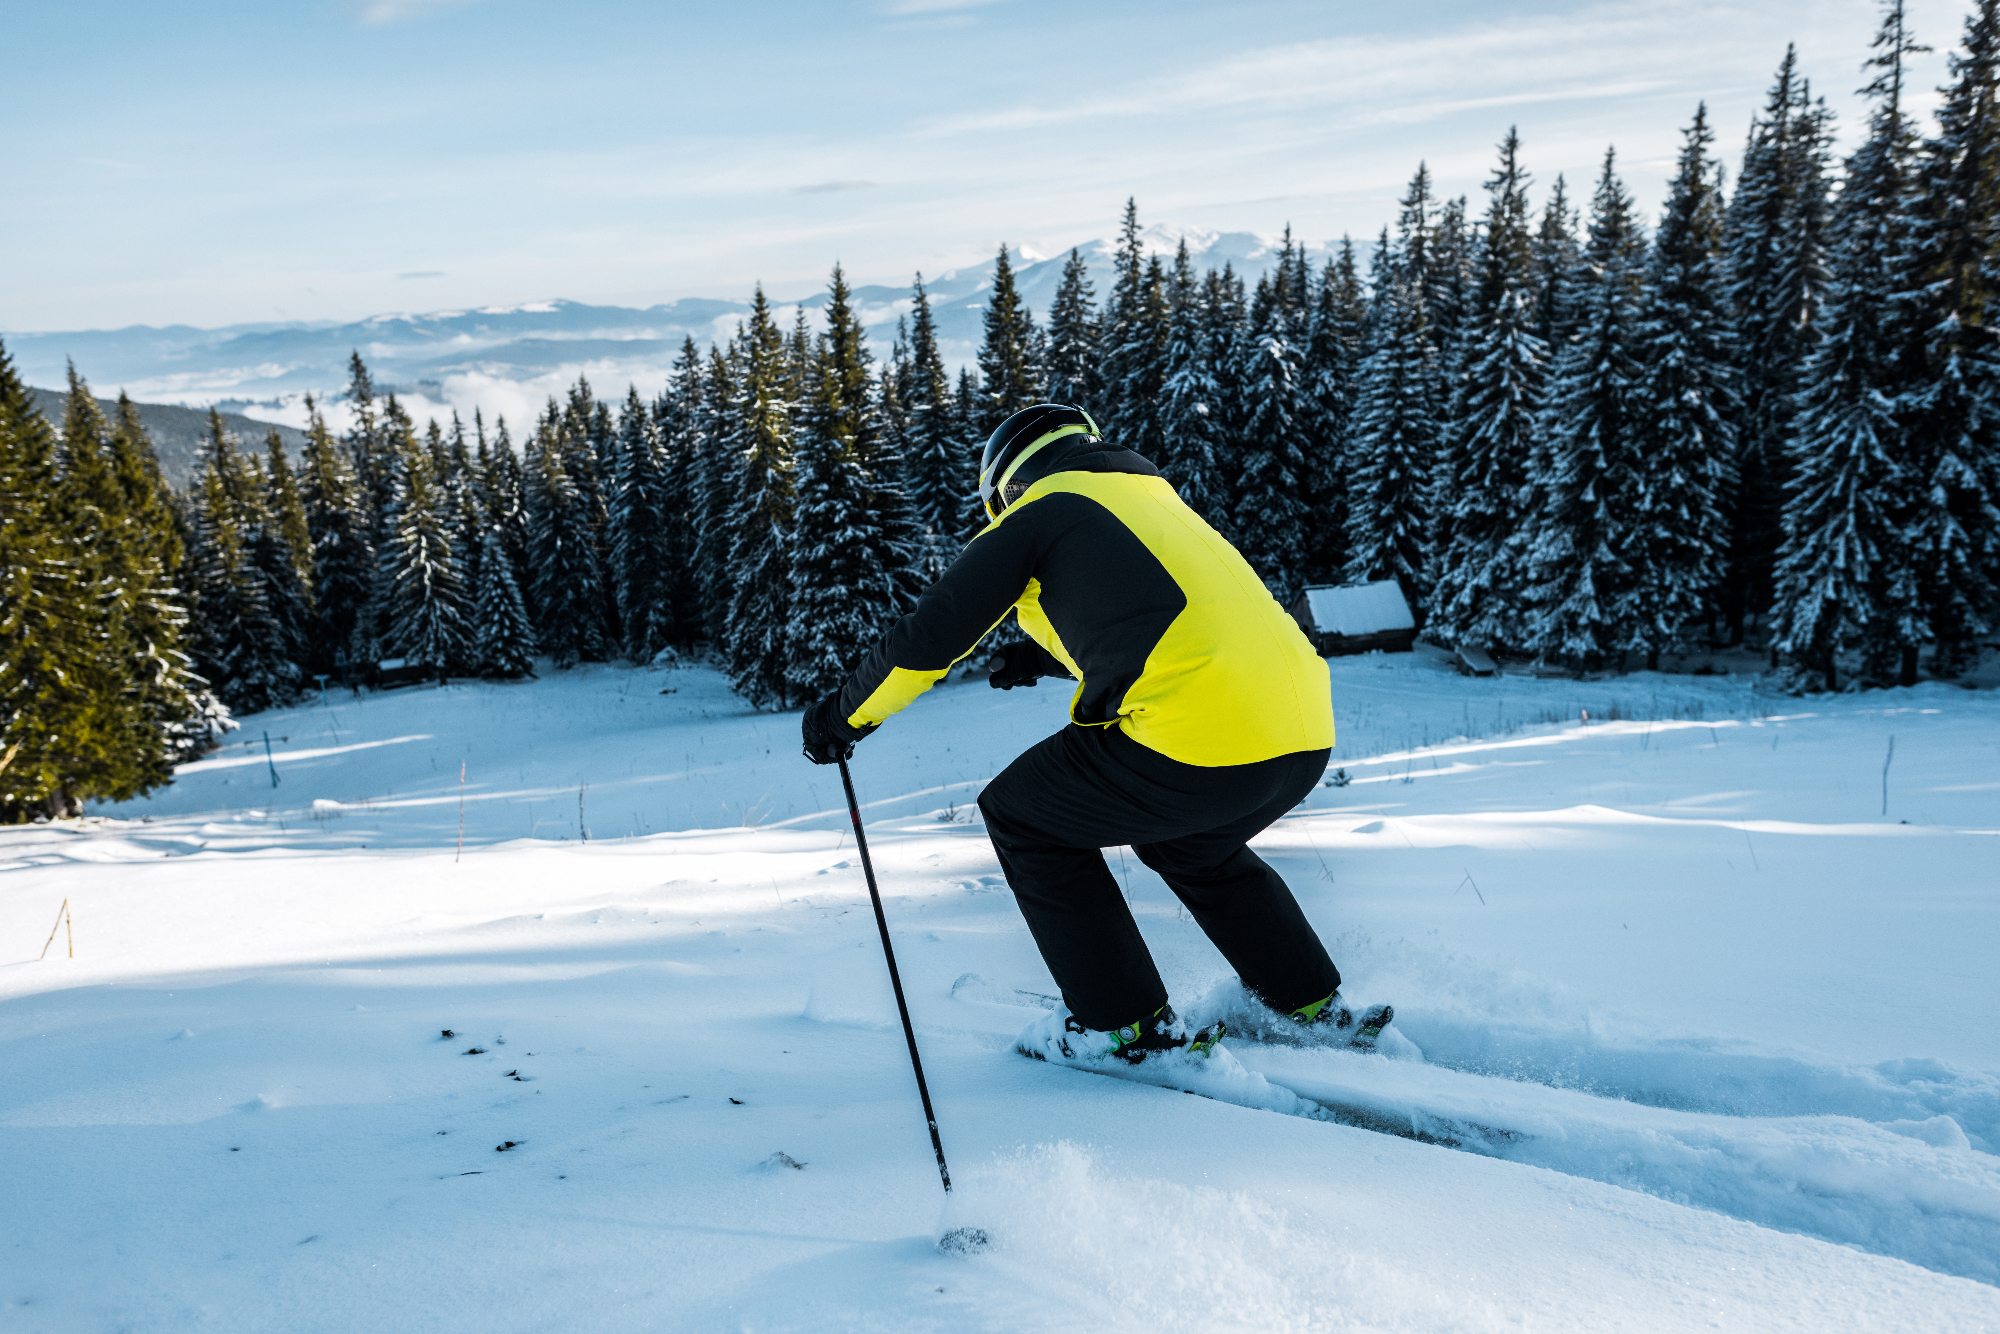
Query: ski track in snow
pixel 1687 1030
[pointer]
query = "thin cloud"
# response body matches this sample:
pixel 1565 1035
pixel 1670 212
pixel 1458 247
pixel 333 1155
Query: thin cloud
pixel 376 12
pixel 423 273
pixel 832 187
pixel 1522 61
pixel 908 7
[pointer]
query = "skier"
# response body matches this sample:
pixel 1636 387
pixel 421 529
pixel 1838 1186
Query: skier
pixel 1202 714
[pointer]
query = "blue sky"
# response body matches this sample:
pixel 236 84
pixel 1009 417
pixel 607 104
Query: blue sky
pixel 220 162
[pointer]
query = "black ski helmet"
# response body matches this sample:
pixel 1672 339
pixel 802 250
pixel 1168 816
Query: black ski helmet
pixel 1022 448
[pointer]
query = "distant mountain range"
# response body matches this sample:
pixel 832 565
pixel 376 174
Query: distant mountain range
pixel 462 358
pixel 180 434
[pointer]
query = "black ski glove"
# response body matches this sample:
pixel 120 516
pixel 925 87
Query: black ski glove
pixel 828 738
pixel 1020 664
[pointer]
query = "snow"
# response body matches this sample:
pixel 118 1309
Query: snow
pixel 1690 1034
pixel 1359 609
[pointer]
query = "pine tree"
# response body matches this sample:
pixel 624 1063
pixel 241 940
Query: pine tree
pixel 1948 404
pixel 1556 258
pixel 1687 405
pixel 241 642
pixel 108 745
pixel 678 416
pixel 640 532
pixel 343 559
pixel 1841 572
pixel 47 602
pixel 936 461
pixel 1226 334
pixel 562 556
pixel 372 452
pixel 1272 472
pixel 757 639
pixel 1774 240
pixel 1191 443
pixel 1073 339
pixel 1135 368
pixel 843 593
pixel 502 637
pixel 869 445
pixel 714 472
pixel 1485 473
pixel 1581 583
pixel 1332 366
pixel 1119 336
pixel 1393 442
pixel 288 513
pixel 1008 368
pixel 426 591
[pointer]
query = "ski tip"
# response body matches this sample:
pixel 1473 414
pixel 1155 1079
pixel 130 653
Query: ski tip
pixel 964 1241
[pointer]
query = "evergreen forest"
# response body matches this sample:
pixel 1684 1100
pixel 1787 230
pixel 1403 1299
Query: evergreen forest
pixel 1766 419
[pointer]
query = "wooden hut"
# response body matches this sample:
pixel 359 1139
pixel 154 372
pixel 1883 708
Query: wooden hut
pixel 1356 618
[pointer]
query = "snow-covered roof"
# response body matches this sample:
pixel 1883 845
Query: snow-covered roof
pixel 1359 609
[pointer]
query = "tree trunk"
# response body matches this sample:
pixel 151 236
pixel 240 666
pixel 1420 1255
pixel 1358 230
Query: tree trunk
pixel 1909 673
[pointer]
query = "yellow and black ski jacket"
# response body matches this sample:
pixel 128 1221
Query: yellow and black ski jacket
pixel 1169 633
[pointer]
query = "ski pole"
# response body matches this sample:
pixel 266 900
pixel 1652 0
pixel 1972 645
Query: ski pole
pixel 958 1239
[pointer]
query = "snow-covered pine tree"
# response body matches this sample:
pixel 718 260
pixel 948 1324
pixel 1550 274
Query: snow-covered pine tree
pixel 1687 402
pixel 678 415
pixel 342 556
pixel 175 699
pixel 239 643
pixel 507 504
pixel 288 515
pixel 465 499
pixel 426 591
pixel 713 471
pixel 366 446
pixel 1556 258
pixel 503 638
pixel 1948 404
pixel 1393 442
pixel 1122 310
pixel 966 414
pixel 1450 285
pixel 1332 364
pixel 1138 363
pixel 935 459
pixel 1774 246
pixel 757 641
pixel 1225 332
pixel 1271 502
pixel 1073 356
pixel 1190 415
pixel 1842 574
pixel 1580 583
pixel 1485 476
pixel 1007 364
pixel 562 558
pixel 868 443
pixel 640 534
pixel 843 593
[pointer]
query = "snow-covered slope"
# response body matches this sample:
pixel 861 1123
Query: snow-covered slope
pixel 1690 1034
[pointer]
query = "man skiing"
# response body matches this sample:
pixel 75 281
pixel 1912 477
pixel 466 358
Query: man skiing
pixel 1202 714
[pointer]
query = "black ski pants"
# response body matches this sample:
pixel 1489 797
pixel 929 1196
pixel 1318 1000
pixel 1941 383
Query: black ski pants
pixel 1086 788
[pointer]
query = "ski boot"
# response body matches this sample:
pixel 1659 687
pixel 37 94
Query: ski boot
pixel 1061 1037
pixel 1332 1022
